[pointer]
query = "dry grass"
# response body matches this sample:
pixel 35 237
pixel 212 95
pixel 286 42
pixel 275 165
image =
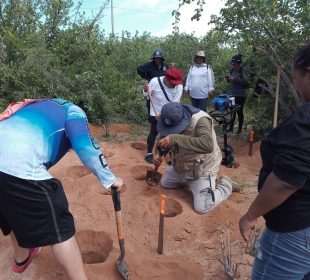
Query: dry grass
pixel 231 269
pixel 253 239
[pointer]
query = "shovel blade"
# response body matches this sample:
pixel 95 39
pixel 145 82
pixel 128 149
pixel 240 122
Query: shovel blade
pixel 123 268
pixel 153 178
pixel 121 263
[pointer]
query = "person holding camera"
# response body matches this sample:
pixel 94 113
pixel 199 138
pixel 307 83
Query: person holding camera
pixel 237 88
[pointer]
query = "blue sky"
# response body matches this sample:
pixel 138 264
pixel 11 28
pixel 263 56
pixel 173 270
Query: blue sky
pixel 153 16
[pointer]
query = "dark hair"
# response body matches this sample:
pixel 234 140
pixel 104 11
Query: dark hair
pixel 195 58
pixel 301 59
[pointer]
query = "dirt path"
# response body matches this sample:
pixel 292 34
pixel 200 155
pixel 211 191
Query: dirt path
pixel 191 240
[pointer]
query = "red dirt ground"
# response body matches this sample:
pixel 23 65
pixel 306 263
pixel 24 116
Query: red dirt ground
pixel 191 241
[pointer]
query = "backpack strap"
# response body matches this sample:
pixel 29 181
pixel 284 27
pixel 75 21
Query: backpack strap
pixel 162 88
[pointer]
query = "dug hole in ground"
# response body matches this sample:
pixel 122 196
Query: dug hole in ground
pixel 192 242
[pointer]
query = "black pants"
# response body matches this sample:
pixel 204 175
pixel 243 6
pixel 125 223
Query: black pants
pixel 153 133
pixel 148 106
pixel 201 104
pixel 239 100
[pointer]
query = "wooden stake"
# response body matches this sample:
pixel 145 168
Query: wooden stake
pixel 251 142
pixel 161 224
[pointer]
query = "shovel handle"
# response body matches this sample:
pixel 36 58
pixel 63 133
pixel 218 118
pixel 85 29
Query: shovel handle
pixel 117 207
pixel 152 102
pixel 162 203
pixel 116 199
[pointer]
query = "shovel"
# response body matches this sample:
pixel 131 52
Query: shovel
pixel 121 263
pixel 153 176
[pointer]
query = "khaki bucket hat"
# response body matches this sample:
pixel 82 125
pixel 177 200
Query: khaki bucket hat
pixel 200 53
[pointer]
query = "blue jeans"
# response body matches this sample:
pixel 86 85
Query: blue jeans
pixel 201 104
pixel 282 256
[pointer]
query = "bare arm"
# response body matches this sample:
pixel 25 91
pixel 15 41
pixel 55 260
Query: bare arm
pixel 273 193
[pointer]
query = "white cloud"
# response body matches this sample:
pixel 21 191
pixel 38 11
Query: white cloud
pixel 200 27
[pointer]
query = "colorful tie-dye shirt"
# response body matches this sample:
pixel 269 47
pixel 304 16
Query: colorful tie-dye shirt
pixel 36 137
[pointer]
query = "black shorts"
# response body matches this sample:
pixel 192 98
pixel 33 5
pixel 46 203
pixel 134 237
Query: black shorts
pixel 36 211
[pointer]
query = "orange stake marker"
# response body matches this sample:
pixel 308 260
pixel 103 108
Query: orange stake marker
pixel 251 143
pixel 161 224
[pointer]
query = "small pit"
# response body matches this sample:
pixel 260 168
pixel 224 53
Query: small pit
pixel 172 208
pixel 139 171
pixel 95 246
pixel 141 146
pixel 77 172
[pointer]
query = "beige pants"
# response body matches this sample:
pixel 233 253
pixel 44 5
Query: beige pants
pixel 207 195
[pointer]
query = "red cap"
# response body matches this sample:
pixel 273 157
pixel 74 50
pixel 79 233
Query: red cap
pixel 174 76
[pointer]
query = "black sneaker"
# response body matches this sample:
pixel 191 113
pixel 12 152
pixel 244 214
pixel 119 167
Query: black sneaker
pixel 149 158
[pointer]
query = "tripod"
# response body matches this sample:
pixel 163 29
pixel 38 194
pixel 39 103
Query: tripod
pixel 224 117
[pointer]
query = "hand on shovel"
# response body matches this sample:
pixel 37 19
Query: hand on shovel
pixel 158 160
pixel 146 87
pixel 165 143
pixel 119 185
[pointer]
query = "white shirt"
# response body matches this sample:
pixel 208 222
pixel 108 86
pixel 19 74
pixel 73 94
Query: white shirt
pixel 159 99
pixel 199 81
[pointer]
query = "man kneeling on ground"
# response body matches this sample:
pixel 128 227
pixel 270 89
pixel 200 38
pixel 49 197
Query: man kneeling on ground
pixel 195 155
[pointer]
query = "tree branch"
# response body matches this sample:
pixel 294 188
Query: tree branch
pixel 270 89
pixel 267 28
pixel 284 76
pixel 98 16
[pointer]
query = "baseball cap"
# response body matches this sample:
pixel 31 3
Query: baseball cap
pixel 174 118
pixel 236 58
pixel 174 76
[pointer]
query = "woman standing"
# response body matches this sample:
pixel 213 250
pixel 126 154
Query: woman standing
pixel 284 190
pixel 200 82
pixel 237 89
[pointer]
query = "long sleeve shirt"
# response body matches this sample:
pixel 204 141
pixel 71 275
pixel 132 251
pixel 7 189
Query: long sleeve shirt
pixel 36 137
pixel 150 70
pixel 202 143
pixel 199 81
pixel 174 94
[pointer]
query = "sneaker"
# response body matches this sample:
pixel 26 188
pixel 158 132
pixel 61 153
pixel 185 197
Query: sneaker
pixel 235 186
pixel 18 269
pixel 149 158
